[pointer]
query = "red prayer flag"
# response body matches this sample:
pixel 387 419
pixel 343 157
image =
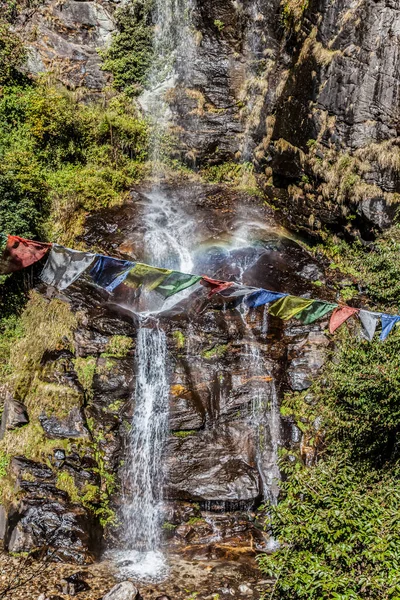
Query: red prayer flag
pixel 340 315
pixel 216 285
pixel 20 253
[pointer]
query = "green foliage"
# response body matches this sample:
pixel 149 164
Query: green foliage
pixel 377 268
pixel 61 159
pixel 339 535
pixel 118 346
pixel 130 54
pixel 337 521
pixel 215 352
pixel 12 53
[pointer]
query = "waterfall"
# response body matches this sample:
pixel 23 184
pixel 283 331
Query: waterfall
pixel 265 414
pixel 174 48
pixel 142 475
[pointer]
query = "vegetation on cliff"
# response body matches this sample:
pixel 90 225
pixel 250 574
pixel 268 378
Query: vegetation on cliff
pixel 130 54
pixel 337 520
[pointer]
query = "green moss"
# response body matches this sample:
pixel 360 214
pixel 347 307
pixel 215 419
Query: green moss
pixel 168 526
pixel 118 346
pixel 44 326
pixel 115 406
pixel 66 482
pixel 85 369
pixel 215 352
pixel 293 13
pixel 11 331
pixel 184 433
pixel 195 520
pixel 179 339
pixel 30 441
pixel 99 500
pixel 220 25
pixel 4 463
pixel 239 175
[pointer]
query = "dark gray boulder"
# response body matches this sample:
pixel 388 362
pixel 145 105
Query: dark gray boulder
pixel 14 415
pixel 71 426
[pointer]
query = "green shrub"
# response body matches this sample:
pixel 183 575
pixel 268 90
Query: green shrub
pixel 130 54
pixel 339 534
pixel 12 53
pixel 337 522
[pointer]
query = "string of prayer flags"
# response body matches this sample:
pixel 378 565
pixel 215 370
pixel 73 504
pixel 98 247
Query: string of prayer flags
pixel 340 315
pixel 237 290
pixel 388 322
pixel 175 283
pixel 18 253
pixel 64 266
pixel 108 272
pixel 369 322
pixel 215 285
pixel 289 306
pixel 262 297
pixel 317 310
pixel 146 276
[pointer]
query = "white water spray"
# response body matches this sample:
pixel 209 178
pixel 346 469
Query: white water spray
pixel 143 476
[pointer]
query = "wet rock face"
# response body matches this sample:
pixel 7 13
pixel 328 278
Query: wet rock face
pixel 63 37
pixel 45 520
pixel 221 363
pixel 214 465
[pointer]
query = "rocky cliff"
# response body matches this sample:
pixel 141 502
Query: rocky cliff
pixel 305 96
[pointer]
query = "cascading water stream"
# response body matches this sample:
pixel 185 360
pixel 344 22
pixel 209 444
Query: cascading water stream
pixel 166 231
pixel 143 476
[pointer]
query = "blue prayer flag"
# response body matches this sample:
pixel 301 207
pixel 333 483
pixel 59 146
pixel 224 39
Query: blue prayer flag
pixel 261 297
pixel 109 272
pixel 388 322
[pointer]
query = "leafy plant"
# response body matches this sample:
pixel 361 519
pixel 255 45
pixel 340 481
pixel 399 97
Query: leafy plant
pixel 130 54
pixel 337 521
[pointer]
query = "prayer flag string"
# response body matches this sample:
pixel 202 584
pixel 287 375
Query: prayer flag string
pixel 64 266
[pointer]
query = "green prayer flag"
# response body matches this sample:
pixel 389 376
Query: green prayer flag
pixel 288 307
pixel 317 310
pixel 176 282
pixel 146 276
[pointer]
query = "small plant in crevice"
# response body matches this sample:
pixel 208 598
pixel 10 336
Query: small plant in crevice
pixel 220 25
